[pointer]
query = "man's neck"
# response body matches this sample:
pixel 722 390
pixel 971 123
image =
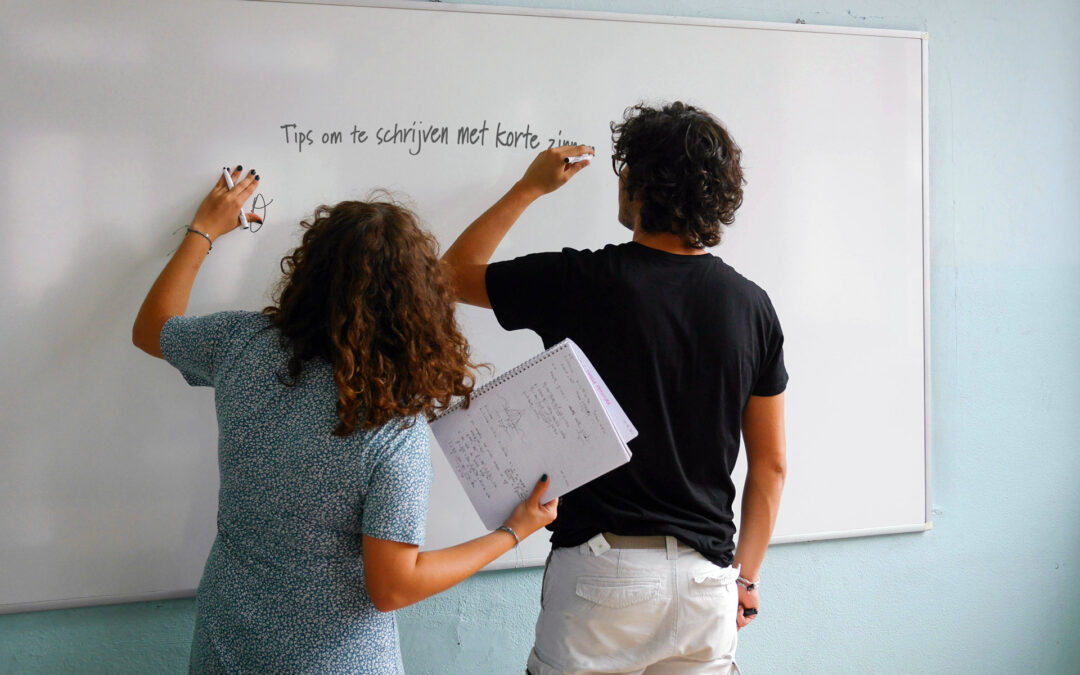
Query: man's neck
pixel 665 241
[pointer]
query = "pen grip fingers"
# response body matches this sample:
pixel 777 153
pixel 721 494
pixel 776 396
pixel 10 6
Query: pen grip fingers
pixel 246 187
pixel 572 169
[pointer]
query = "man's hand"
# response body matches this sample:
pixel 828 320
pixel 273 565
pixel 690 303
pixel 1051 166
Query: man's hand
pixel 747 600
pixel 467 259
pixel 550 171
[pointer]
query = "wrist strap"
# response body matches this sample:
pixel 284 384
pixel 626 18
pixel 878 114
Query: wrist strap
pixel 507 528
pixel 204 236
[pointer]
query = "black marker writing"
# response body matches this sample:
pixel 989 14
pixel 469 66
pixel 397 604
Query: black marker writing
pixel 258 207
pixel 414 135
pixel 559 141
pixel 301 138
pixel 472 135
pixel 505 138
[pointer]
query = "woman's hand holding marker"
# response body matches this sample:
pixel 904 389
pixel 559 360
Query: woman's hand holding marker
pixel 218 213
pixel 553 168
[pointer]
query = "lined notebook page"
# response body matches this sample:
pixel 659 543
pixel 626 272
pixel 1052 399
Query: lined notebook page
pixel 548 415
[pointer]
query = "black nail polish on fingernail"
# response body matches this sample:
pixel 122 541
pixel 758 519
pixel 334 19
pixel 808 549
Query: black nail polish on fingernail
pixel 252 172
pixel 543 479
pixel 256 178
pixel 238 167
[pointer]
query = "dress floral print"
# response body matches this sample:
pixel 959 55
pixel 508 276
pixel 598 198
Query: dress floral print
pixel 283 588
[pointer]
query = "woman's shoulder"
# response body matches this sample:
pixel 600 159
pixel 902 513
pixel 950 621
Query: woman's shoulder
pixel 401 434
pixel 247 319
pixel 224 324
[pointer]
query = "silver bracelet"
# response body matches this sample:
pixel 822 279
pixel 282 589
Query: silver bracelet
pixel 507 528
pixel 204 236
pixel 747 584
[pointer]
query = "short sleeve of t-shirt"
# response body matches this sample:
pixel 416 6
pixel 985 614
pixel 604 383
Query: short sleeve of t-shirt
pixel 531 291
pixel 772 375
pixel 200 346
pixel 397 499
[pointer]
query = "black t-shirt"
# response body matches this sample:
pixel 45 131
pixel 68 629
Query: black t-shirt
pixel 682 341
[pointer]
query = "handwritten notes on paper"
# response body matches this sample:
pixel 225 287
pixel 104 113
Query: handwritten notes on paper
pixel 549 415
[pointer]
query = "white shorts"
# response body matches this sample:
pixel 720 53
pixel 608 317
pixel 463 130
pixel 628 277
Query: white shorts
pixel 656 611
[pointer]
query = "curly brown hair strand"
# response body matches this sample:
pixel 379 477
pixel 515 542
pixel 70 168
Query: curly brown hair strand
pixel 365 291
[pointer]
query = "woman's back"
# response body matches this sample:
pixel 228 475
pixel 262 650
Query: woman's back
pixel 283 588
pixel 323 448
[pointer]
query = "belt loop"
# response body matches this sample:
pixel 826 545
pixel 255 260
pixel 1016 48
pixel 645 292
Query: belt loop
pixel 672 547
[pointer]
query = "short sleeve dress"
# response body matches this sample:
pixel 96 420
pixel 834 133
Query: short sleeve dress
pixel 283 588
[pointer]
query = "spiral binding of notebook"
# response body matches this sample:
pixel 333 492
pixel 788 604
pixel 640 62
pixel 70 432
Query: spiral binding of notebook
pixel 520 368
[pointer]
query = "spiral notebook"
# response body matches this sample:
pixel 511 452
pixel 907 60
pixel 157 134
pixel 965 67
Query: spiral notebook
pixel 552 414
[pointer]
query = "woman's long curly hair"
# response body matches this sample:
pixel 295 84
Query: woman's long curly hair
pixel 684 168
pixel 365 291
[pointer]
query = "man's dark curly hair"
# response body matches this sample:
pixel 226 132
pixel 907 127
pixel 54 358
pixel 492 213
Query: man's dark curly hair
pixel 683 166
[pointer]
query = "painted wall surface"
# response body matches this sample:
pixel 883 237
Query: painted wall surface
pixel 995 586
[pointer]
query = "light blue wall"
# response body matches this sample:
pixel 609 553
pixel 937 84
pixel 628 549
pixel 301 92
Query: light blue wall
pixel 995 587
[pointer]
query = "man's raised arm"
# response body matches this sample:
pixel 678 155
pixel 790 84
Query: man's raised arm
pixel 468 257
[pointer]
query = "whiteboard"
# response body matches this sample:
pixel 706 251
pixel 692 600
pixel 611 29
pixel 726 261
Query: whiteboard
pixel 115 123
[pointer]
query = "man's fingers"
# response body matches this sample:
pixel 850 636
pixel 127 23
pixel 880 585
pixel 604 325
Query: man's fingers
pixel 572 169
pixel 253 218
pixel 574 150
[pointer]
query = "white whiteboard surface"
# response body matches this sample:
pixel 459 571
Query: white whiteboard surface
pixel 115 123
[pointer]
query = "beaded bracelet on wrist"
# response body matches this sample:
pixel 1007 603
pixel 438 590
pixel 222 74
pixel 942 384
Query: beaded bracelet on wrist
pixel 204 236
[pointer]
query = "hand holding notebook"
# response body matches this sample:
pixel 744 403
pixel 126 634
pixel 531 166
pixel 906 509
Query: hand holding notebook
pixel 552 414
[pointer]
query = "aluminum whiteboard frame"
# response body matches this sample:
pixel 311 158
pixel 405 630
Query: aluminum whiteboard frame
pixel 420 5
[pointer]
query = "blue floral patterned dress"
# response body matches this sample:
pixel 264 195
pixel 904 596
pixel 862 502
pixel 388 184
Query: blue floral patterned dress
pixel 283 589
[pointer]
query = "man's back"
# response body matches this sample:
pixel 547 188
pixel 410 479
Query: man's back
pixel 682 341
pixel 694 354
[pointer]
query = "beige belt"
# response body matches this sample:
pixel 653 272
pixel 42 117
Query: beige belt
pixel 623 541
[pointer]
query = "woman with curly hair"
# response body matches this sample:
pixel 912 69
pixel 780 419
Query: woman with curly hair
pixel 322 404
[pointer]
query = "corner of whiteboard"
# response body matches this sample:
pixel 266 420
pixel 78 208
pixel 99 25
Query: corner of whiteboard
pixel 851 534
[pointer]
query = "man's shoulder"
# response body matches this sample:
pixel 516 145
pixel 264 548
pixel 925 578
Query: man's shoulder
pixel 606 251
pixel 752 297
pixel 567 257
pixel 743 283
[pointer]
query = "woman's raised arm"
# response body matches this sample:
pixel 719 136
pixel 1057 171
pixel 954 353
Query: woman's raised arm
pixel 168 297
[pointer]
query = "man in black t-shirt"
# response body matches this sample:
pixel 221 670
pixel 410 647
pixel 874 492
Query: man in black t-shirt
pixel 644 569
